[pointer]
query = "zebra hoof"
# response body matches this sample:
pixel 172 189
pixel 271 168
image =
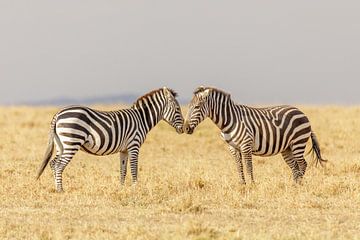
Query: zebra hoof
pixel 298 181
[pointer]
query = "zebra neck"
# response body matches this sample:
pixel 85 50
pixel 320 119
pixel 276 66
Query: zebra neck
pixel 222 113
pixel 150 116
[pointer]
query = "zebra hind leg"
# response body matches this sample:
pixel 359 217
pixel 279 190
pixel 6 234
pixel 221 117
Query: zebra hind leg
pixel 302 167
pixel 298 154
pixel 60 165
pixel 52 164
pixel 292 163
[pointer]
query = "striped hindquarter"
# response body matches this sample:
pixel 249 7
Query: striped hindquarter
pixel 254 131
pixel 269 131
pixel 103 133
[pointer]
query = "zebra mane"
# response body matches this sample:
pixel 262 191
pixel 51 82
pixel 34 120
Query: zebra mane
pixel 199 89
pixel 202 88
pixel 150 94
pixel 175 94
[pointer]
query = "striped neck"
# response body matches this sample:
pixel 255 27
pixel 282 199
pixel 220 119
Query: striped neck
pixel 221 109
pixel 151 108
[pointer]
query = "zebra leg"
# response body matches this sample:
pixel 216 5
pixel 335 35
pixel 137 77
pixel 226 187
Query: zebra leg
pixel 298 153
pixel 59 168
pixel 52 164
pixel 237 156
pixel 123 166
pixel 302 166
pixel 247 155
pixel 133 157
pixel 292 163
pixel 60 165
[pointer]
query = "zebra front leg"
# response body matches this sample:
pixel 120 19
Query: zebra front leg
pixel 133 157
pixel 247 155
pixel 123 166
pixel 237 156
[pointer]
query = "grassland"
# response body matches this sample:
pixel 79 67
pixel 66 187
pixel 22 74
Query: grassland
pixel 188 187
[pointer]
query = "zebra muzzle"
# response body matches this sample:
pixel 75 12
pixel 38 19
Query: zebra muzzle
pixel 187 128
pixel 179 130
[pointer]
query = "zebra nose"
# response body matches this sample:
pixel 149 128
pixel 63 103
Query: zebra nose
pixel 180 130
pixel 187 128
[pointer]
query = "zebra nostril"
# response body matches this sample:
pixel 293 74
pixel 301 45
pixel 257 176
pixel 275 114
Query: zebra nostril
pixel 187 128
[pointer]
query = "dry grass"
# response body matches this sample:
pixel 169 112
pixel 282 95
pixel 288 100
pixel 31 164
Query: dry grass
pixel 188 187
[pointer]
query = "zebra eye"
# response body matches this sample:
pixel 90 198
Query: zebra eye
pixel 197 107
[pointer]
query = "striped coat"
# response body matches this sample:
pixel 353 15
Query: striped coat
pixel 102 133
pixel 255 131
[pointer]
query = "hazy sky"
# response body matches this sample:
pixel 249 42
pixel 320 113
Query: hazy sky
pixel 304 51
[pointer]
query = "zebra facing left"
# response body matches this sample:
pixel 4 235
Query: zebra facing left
pixel 255 131
pixel 103 133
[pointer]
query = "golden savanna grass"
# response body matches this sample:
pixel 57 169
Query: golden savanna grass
pixel 188 186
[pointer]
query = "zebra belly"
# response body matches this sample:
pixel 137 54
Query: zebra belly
pixel 96 146
pixel 258 153
pixel 93 152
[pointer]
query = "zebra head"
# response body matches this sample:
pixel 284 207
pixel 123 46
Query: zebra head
pixel 172 111
pixel 198 109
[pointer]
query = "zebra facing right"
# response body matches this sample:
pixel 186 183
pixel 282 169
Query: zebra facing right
pixel 102 133
pixel 255 131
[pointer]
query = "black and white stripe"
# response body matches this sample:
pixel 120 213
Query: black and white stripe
pixel 102 133
pixel 255 131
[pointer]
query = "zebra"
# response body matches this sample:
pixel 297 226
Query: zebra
pixel 255 131
pixel 102 133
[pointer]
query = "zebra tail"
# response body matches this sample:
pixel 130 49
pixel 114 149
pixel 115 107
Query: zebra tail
pixel 316 149
pixel 49 149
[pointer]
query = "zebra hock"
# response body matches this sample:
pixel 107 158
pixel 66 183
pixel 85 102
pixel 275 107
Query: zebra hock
pixel 255 131
pixel 103 133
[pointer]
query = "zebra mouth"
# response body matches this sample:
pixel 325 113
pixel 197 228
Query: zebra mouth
pixel 179 130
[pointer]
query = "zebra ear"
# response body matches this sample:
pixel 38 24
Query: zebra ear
pixel 204 94
pixel 168 93
pixel 199 89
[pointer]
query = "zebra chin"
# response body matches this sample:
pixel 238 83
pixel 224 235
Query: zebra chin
pixel 179 130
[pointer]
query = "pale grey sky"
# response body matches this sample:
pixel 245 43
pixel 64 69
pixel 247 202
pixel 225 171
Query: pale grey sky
pixel 260 51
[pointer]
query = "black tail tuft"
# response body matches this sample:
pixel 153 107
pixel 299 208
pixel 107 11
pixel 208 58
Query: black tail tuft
pixel 316 149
